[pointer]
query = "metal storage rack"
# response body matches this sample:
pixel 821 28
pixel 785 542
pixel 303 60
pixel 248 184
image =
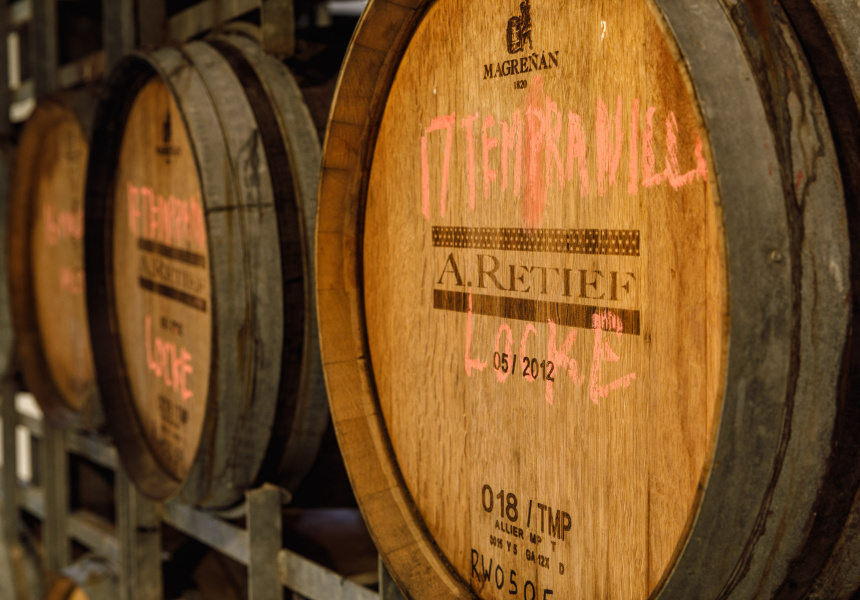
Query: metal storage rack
pixel 133 543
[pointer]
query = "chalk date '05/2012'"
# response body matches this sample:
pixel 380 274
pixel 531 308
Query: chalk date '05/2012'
pixel 531 368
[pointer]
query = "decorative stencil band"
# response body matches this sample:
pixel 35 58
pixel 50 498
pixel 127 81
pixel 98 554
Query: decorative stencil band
pixel 569 315
pixel 619 242
pixel 172 293
pixel 191 258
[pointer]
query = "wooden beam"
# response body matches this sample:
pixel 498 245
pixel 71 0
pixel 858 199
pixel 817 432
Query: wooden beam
pixel 118 29
pixel 277 18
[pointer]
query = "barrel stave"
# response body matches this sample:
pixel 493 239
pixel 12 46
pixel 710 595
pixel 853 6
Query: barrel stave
pixel 827 567
pixel 809 172
pixel 291 138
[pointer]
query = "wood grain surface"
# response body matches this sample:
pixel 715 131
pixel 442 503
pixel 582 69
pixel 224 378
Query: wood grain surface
pixel 46 259
pixel 161 279
pixel 544 294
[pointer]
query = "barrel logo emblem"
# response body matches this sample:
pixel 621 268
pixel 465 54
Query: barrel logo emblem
pixel 520 29
pixel 518 37
pixel 165 130
pixel 166 149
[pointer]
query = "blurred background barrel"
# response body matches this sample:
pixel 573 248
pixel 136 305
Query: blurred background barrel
pixel 46 262
pixel 839 21
pixel 201 200
pixel 829 567
pixel 584 286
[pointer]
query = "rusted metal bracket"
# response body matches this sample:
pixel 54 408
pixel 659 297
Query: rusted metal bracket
pixel 134 543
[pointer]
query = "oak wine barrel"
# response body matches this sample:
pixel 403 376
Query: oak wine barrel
pixel 46 261
pixel 200 208
pixel 839 21
pixel 584 297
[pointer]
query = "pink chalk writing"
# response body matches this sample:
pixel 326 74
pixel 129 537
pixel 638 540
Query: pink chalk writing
pixel 559 356
pixel 72 280
pixel 487 144
pixel 530 145
pixel 62 225
pixel 608 158
pixel 466 123
pixel 167 362
pixel 576 150
pixel 537 129
pixel 171 221
pixel 562 358
pixel 603 353
pixel 650 178
pixel 470 362
pixel 444 122
pixel 553 134
pixel 633 166
pixel 512 140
